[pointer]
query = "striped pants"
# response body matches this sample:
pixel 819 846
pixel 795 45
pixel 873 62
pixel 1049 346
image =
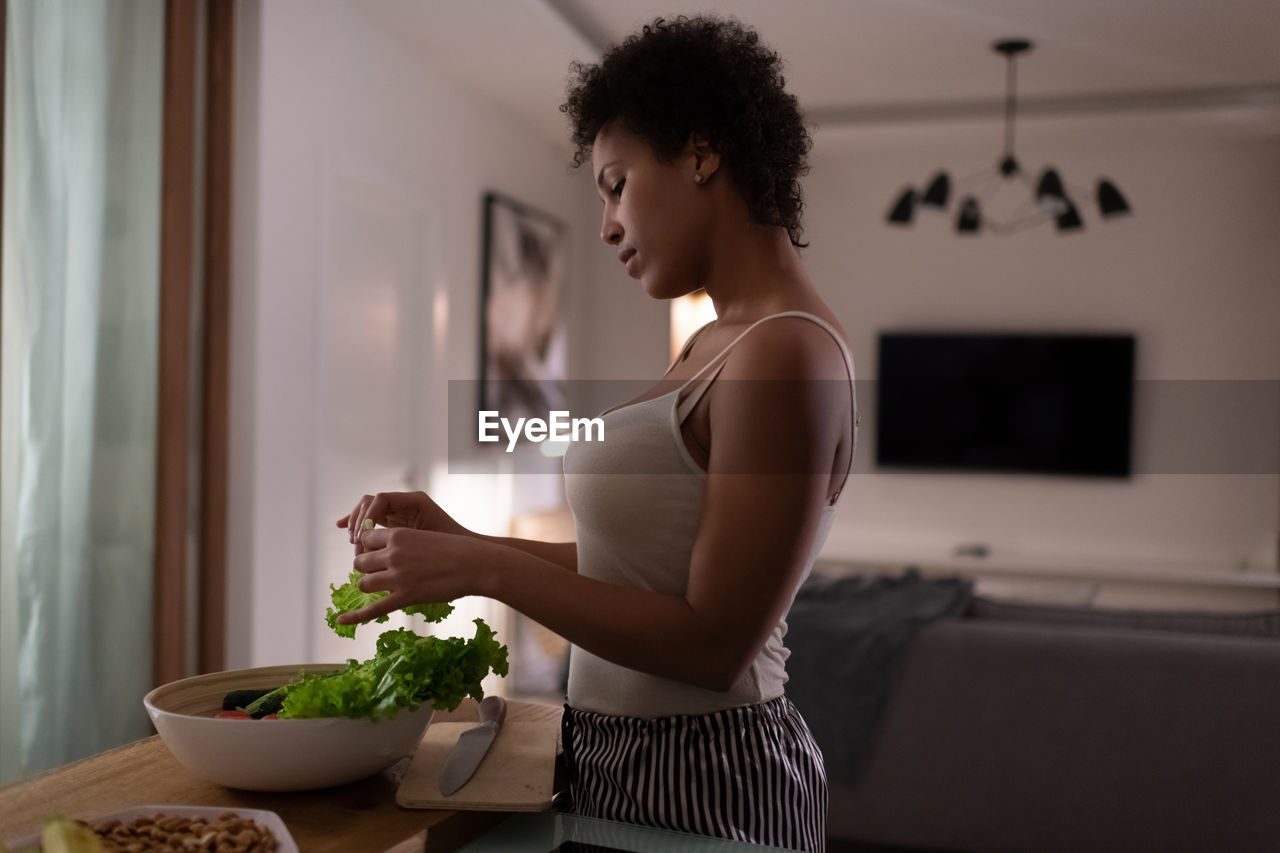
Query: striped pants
pixel 751 773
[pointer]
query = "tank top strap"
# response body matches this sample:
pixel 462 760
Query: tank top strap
pixel 687 404
pixel 715 365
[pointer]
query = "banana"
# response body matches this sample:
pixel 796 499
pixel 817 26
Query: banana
pixel 61 835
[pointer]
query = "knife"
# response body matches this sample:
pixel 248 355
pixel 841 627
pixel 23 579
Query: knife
pixel 472 745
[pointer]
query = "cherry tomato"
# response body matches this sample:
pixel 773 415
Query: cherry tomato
pixel 271 717
pixel 232 715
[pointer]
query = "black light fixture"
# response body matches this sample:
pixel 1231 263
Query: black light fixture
pixel 1053 200
pixel 969 220
pixel 938 191
pixel 1110 201
pixel 904 209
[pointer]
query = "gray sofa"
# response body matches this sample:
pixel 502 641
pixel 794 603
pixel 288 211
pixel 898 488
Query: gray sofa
pixel 1037 729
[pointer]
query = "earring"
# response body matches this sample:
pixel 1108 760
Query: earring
pixel 697 179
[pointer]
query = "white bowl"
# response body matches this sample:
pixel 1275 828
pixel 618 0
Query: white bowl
pixel 266 819
pixel 275 755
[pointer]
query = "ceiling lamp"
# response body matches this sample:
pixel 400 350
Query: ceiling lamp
pixel 1052 201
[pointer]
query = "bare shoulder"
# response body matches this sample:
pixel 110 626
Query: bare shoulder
pixel 789 348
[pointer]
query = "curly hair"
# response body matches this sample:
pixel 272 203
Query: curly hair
pixel 709 76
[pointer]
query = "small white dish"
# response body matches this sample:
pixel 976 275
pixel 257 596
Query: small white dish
pixel 266 819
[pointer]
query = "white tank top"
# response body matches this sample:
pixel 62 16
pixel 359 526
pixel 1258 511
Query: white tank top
pixel 636 499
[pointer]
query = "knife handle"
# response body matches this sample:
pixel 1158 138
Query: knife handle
pixel 493 708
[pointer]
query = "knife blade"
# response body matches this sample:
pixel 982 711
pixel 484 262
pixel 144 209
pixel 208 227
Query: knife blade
pixel 471 747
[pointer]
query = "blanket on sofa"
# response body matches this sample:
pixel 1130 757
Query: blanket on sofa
pixel 848 637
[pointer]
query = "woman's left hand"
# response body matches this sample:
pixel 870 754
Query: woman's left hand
pixel 414 566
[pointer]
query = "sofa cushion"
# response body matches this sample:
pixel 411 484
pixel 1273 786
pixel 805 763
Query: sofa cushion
pixel 1012 736
pixel 1256 624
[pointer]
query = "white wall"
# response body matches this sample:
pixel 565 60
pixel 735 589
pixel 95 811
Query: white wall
pixel 626 334
pixel 1192 273
pixel 326 97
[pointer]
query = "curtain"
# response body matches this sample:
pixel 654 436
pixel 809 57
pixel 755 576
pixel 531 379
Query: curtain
pixel 82 154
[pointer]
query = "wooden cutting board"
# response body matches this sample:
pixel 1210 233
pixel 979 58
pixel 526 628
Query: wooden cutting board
pixel 516 775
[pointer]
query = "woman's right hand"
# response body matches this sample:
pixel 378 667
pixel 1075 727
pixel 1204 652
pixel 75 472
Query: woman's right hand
pixel 398 509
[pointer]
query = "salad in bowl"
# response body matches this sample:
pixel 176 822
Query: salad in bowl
pixel 292 728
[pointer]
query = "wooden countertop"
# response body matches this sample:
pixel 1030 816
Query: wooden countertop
pixel 361 816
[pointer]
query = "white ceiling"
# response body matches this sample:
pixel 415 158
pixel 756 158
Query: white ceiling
pixel 864 65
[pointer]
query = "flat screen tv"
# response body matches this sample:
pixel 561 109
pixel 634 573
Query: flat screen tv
pixel 1011 403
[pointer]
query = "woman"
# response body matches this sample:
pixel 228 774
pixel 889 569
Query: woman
pixel 702 510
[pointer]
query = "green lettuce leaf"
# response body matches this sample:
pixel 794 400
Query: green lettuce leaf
pixel 348 597
pixel 406 671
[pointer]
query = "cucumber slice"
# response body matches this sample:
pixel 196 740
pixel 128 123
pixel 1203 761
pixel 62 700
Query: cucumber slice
pixel 238 700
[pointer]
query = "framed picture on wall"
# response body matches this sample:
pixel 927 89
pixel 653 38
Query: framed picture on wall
pixel 524 324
